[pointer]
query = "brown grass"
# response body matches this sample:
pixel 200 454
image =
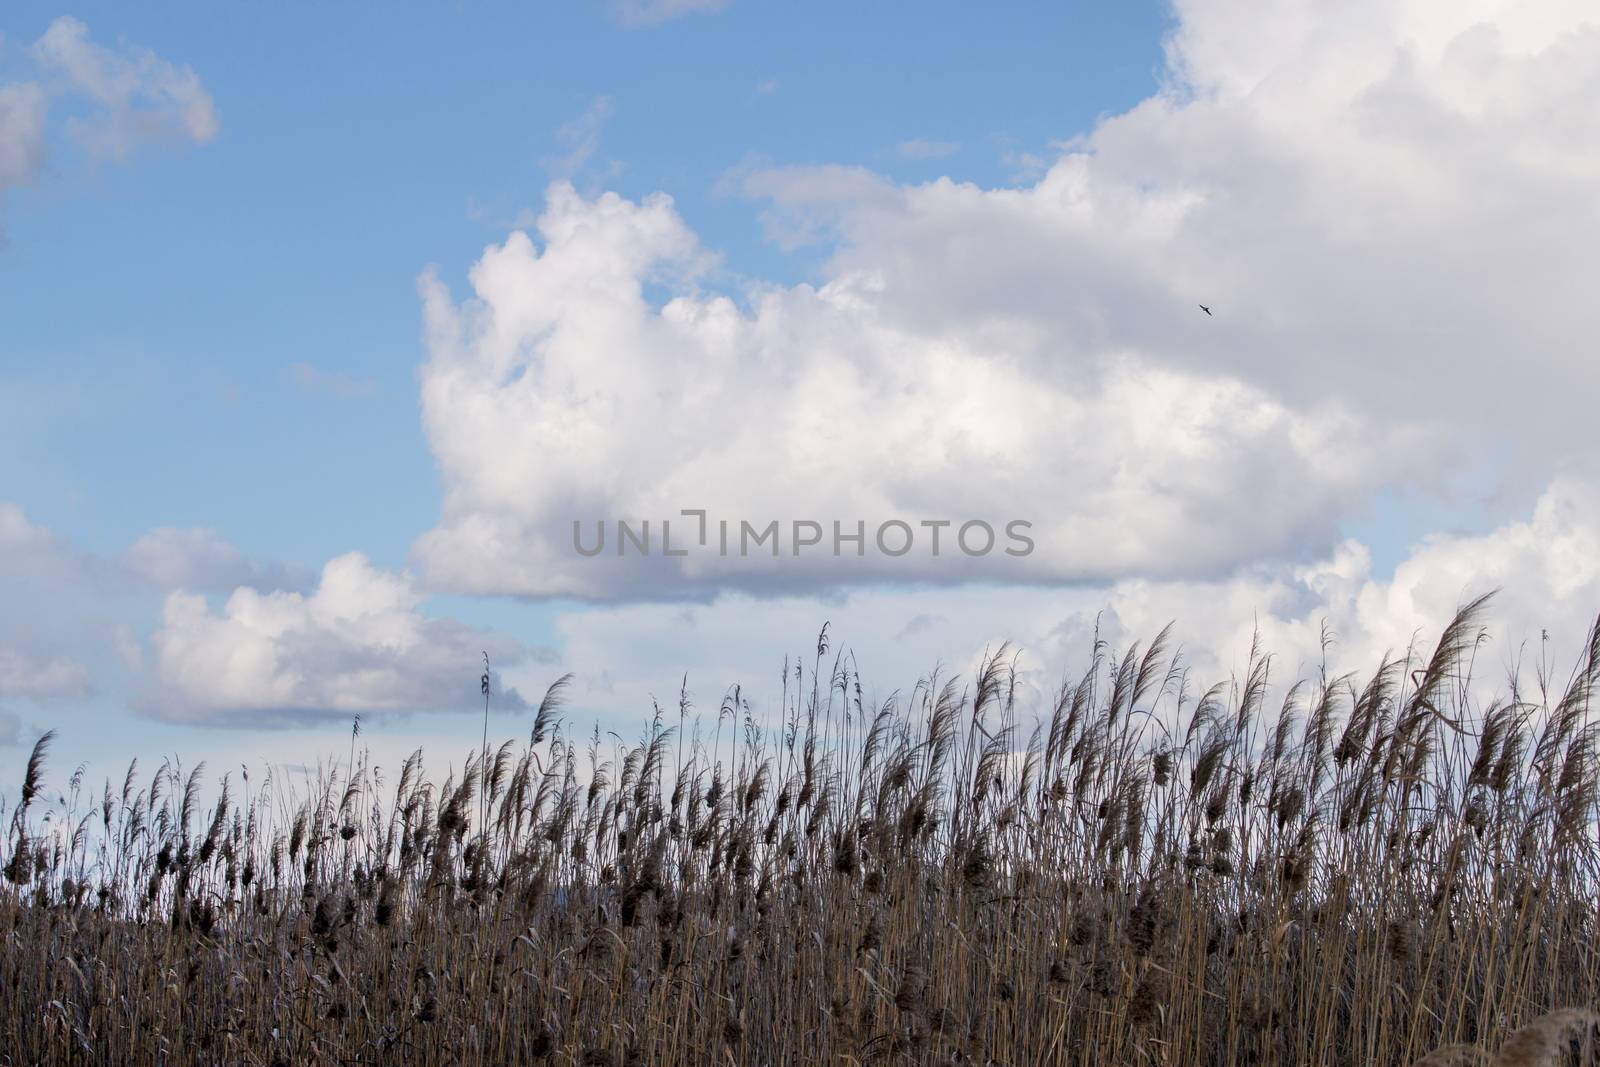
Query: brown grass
pixel 1367 871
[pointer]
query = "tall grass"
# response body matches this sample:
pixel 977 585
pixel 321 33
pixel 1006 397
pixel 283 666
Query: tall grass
pixel 1367 870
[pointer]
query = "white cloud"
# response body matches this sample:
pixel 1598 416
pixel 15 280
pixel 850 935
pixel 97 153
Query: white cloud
pixel 272 652
pixel 1547 568
pixel 117 98
pixel 23 107
pixel 140 95
pixel 1544 566
pixel 125 642
pixel 638 14
pixel 60 625
pixel 47 679
pixel 312 380
pixel 200 560
pixel 30 550
pixel 48 590
pixel 357 644
pixel 1383 208
pixel 1384 205
pixel 580 138
pixel 559 393
pixel 43 584
pixel 36 561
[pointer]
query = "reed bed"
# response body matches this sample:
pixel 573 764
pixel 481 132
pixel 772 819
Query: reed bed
pixel 1349 870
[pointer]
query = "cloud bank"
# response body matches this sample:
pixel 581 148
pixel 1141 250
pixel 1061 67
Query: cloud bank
pixel 284 646
pixel 1382 218
pixel 560 393
pixel 1544 566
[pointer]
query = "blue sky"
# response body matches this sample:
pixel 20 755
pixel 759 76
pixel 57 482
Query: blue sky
pixel 222 331
pixel 357 148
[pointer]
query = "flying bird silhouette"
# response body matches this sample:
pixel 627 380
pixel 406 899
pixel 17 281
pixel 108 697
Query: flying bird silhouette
pixel 1205 309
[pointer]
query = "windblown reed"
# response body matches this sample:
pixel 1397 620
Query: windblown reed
pixel 1366 870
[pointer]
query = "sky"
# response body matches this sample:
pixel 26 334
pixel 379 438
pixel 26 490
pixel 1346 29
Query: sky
pixel 320 330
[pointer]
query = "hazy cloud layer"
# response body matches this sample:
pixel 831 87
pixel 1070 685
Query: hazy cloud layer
pixel 579 138
pixel 42 678
pixel 138 95
pixel 28 550
pixel 1544 564
pixel 44 583
pixel 923 148
pixel 114 99
pixel 640 14
pixel 36 561
pixel 361 641
pixel 310 379
pixel 23 107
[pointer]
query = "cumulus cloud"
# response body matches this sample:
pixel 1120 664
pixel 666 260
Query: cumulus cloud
pixel 358 643
pixel 1381 218
pixel 561 393
pixel 639 14
pixel 1385 206
pixel 281 646
pixel 1546 568
pixel 57 630
pixel 1542 569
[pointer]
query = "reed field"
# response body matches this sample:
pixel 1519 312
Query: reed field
pixel 1383 867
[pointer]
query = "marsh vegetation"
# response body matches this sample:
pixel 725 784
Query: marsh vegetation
pixel 1354 869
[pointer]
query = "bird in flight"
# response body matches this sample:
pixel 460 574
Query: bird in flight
pixel 1205 309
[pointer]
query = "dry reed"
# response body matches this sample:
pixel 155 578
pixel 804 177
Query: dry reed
pixel 1376 868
